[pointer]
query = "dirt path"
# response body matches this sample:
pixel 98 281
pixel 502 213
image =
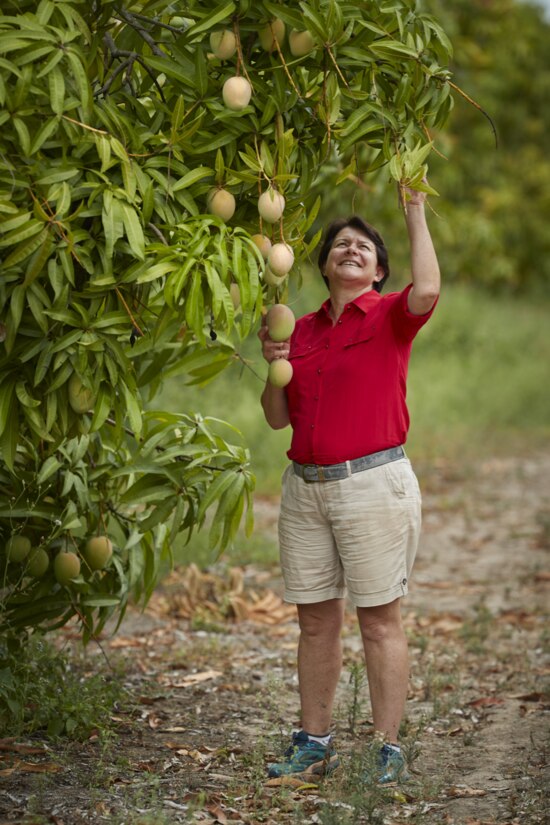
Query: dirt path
pixel 212 699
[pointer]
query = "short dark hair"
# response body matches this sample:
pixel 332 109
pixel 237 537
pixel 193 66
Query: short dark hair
pixel 355 222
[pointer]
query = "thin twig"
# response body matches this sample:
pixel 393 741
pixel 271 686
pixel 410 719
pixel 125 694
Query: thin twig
pixel 84 125
pixel 115 52
pixel 336 66
pixel 129 311
pixel 477 106
pixel 156 22
pixel 245 363
pixel 158 233
pixel 133 22
pixel 287 72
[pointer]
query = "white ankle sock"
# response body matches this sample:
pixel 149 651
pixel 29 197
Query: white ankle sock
pixel 322 740
pixel 396 748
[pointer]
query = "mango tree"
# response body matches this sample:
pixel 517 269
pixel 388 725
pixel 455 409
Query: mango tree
pixel 152 156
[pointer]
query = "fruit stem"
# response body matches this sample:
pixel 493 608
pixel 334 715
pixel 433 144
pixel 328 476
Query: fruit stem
pixel 240 58
pixel 285 67
pixel 129 311
pixel 329 50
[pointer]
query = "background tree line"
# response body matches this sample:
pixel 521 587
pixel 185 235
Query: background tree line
pixel 491 221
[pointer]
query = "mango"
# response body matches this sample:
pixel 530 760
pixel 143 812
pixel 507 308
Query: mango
pixel 18 547
pixel 236 93
pixel 280 372
pixel 301 43
pixel 280 322
pixel 81 398
pixel 223 44
pixel 280 259
pixel 274 31
pixel 271 279
pixel 221 203
pixel 38 562
pixel 98 551
pixel 66 567
pixel 271 205
pixel 263 243
pixel 235 293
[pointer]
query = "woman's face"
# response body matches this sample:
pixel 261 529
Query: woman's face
pixel 352 260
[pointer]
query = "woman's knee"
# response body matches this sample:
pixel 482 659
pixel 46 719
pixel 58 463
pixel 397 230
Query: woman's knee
pixel 381 622
pixel 321 619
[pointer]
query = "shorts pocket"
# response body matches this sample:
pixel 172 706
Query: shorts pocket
pixel 401 478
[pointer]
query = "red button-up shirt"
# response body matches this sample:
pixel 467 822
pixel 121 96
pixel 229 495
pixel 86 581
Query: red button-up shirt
pixel 347 394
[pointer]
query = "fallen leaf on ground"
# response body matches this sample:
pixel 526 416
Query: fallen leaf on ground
pixel 127 641
pixel 291 782
pixel 31 767
pixel 484 701
pixel 217 812
pixel 195 679
pixel 16 747
pixel 531 697
pixel 154 721
pixel 463 791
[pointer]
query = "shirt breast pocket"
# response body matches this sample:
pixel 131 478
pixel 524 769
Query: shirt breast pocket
pixel 302 351
pixel 362 336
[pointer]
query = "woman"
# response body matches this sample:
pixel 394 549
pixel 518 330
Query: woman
pixel 350 508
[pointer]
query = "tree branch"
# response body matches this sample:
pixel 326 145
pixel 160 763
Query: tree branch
pixel 134 23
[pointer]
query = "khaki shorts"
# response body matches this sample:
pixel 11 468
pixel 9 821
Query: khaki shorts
pixel 358 534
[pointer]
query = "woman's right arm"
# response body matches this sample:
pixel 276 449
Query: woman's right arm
pixel 273 398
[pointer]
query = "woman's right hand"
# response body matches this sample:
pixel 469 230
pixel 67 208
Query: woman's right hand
pixel 272 349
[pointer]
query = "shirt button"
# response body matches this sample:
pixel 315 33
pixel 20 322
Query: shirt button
pixel 340 321
pixel 327 346
pixel 312 426
pixel 319 371
pixel 315 397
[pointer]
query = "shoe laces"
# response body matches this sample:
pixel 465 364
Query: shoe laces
pixel 299 739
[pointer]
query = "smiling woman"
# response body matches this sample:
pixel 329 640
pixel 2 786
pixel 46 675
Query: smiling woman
pixel 367 235
pixel 351 269
pixel 350 506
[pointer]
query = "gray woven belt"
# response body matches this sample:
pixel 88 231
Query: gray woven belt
pixel 332 472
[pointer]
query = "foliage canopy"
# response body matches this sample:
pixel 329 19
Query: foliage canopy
pixel 115 275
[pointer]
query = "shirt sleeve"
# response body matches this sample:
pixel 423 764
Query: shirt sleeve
pixel 405 323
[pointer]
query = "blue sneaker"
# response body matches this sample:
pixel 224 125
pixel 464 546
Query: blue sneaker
pixel 390 768
pixel 305 759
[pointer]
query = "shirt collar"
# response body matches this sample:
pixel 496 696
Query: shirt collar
pixel 364 302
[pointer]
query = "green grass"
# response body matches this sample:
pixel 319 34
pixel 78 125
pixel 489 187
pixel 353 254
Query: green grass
pixel 260 549
pixel 478 383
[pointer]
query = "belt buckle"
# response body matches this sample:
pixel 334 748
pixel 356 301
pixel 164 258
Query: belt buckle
pixel 315 469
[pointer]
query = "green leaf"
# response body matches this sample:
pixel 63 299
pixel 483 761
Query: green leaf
pixel 215 491
pixel 201 76
pixel 6 395
pixel 57 90
pixel 80 77
pixel 172 70
pixel 102 409
pixel 388 47
pixel 113 226
pixel 17 303
pixel 101 601
pixel 133 409
pixel 134 230
pixel 315 23
pixel 40 257
pixel 21 233
pixel 223 14
pixel 24 396
pixel 50 466
pixel 192 177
